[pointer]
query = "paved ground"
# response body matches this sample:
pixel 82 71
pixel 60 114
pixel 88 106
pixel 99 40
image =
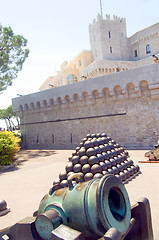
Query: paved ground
pixel 24 186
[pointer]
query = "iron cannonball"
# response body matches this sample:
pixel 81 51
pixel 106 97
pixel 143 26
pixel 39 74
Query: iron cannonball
pixel 86 168
pixel 69 167
pixel 93 135
pixel 91 152
pixel 107 147
pixel 82 152
pixel 100 157
pixel 64 183
pixel 110 171
pixel 130 170
pixel 88 176
pixel 118 176
pixel 98 175
pixel 112 161
pixel 56 182
pixel 135 170
pixel 127 173
pixel 77 149
pixel 98 149
pixel 69 174
pixel 130 162
pixel 3 205
pixel 115 170
pixel 108 163
pixel 95 142
pixel 111 146
pixel 103 165
pixel 88 144
pixel 96 168
pixel 99 140
pixel 75 160
pixel 116 160
pixel 88 136
pixel 109 138
pixel 123 176
pixel 83 160
pixel 74 153
pixel 104 172
pixel 119 166
pixel 104 135
pixel 77 168
pixel 127 163
pixel 98 135
pixel 105 155
pixel 113 142
pixel 84 140
pixel 89 139
pixel 62 176
pixel 81 145
pixel 123 165
pixel 102 147
pixel 92 160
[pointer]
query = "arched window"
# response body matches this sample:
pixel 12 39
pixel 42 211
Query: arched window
pixel 71 78
pixel 148 49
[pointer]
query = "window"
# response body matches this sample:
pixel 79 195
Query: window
pixel 71 78
pixel 148 49
pixel 135 53
pixel 111 50
pixel 109 34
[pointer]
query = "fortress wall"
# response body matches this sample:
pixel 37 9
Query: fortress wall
pixel 124 105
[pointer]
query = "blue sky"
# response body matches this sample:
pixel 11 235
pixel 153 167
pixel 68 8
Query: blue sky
pixel 57 30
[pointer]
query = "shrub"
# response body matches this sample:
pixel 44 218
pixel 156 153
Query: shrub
pixel 9 146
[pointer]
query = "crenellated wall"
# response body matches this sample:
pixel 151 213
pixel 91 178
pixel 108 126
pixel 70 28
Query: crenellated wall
pixel 124 105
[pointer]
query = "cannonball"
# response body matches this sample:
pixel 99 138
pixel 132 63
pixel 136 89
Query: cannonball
pixel 107 147
pixel 105 140
pixel 111 146
pixel 81 145
pixel 91 152
pixel 88 176
pixel 75 160
pixel 77 149
pixel 100 157
pixel 95 142
pixel 99 140
pixel 108 163
pixel 93 135
pixel 64 183
pixel 104 172
pixel 88 144
pixel 86 168
pixel 118 176
pixel 104 135
pixel 98 175
pixel 102 147
pixel 83 160
pixel 96 168
pixel 69 174
pixel 123 176
pixel 62 176
pixel 126 163
pixel 82 152
pixel 115 170
pixel 88 136
pixel 56 182
pixel 77 168
pixel 98 135
pixel 110 171
pixel 123 165
pixel 120 167
pixel 98 149
pixel 103 165
pixel 3 205
pixel 112 161
pixel 130 162
pixel 109 138
pixel 92 160
pixel 74 153
pixel 84 140
pixel 106 156
pixel 130 170
pixel 127 173
pixel 69 167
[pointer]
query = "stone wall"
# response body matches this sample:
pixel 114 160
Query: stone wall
pixel 124 105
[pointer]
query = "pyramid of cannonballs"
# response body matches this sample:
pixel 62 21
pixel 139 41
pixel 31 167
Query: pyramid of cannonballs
pixel 96 156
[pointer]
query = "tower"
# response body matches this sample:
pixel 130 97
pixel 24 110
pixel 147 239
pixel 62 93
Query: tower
pixel 108 39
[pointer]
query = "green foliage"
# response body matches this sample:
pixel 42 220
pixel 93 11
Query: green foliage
pixel 9 146
pixel 13 53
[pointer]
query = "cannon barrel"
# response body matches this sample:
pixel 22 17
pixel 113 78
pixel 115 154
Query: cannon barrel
pixel 91 207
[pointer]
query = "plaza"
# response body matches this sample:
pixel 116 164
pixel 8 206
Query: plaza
pixel 24 186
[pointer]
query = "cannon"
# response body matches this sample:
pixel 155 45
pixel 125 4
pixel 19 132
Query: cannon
pixel 91 207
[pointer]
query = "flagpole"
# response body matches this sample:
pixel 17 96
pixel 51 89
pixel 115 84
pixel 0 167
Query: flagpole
pixel 101 7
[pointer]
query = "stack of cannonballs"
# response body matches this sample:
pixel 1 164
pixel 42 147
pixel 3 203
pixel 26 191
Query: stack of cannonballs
pixel 96 156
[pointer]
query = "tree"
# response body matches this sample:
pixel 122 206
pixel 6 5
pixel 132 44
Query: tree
pixel 7 115
pixel 13 53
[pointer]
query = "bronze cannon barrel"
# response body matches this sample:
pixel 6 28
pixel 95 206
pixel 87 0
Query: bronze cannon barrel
pixel 90 207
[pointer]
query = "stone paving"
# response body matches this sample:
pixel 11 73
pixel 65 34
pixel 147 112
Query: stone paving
pixel 24 186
